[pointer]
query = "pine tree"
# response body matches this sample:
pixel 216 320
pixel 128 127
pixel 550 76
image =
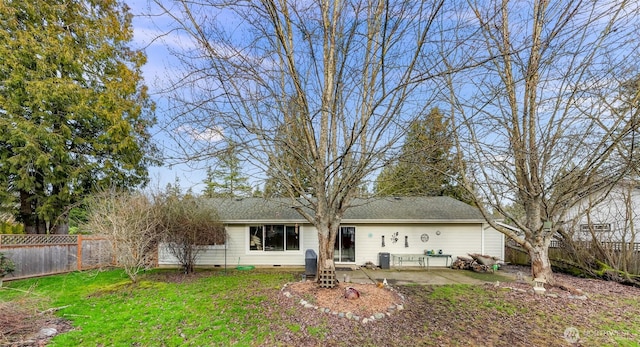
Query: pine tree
pixel 425 166
pixel 289 169
pixel 227 179
pixel 74 111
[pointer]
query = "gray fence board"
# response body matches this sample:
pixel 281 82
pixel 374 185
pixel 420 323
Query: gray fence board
pixel 38 255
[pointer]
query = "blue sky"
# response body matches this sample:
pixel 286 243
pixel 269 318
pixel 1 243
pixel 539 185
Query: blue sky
pixel 159 65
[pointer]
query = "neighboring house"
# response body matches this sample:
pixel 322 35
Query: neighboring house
pixel 269 232
pixel 614 217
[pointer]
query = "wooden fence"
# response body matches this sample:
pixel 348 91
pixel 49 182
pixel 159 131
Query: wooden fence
pixel 557 253
pixel 38 255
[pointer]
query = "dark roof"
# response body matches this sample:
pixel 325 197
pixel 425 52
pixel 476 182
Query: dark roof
pixel 380 210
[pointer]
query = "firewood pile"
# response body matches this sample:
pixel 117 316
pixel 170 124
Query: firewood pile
pixel 475 262
pixel 462 263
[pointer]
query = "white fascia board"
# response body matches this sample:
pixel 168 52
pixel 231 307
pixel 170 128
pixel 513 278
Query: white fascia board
pixel 265 221
pixel 413 221
pixel 359 221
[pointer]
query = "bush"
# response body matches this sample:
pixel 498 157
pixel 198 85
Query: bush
pixel 7 227
pixel 187 225
pixel 130 222
pixel 7 265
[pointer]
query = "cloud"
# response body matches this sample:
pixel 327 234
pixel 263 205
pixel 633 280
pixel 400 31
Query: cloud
pixel 214 134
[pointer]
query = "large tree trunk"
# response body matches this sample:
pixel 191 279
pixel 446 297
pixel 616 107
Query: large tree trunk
pixel 28 216
pixel 327 233
pixel 26 213
pixel 540 263
pixel 32 223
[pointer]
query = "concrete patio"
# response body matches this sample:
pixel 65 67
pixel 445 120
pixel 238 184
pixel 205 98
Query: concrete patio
pixel 403 276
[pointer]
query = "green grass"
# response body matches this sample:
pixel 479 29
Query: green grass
pixel 108 309
pixel 455 295
pixel 241 308
pixel 487 276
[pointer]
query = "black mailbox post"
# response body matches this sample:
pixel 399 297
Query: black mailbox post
pixel 311 262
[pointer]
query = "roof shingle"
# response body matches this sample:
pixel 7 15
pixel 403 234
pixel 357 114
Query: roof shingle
pixel 383 210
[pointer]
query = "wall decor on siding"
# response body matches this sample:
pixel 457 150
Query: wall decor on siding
pixel 394 237
pixel 437 232
pixel 406 241
pixel 424 237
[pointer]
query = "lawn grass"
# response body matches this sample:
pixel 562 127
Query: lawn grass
pixel 108 309
pixel 487 276
pixel 238 308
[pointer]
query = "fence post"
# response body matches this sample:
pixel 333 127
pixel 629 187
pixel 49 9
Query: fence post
pixel 79 255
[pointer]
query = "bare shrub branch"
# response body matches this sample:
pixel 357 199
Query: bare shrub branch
pixel 130 222
pixel 188 226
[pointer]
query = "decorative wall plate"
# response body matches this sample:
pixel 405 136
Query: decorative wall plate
pixel 424 237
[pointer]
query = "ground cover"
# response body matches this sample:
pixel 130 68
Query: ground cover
pixel 248 308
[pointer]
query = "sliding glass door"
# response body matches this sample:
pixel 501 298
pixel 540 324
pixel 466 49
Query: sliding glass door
pixel 345 247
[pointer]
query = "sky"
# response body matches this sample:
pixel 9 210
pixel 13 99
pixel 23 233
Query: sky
pixel 159 63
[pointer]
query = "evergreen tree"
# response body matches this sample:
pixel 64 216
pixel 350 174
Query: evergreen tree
pixel 74 111
pixel 425 166
pixel 227 179
pixel 288 169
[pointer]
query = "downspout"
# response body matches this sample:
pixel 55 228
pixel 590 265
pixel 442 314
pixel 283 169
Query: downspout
pixel 482 239
pixel 502 246
pixel 226 241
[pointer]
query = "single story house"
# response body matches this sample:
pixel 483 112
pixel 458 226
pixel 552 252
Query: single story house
pixel 269 232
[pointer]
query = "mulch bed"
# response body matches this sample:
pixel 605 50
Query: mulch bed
pixel 22 325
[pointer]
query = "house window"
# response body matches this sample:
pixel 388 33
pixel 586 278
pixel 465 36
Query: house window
pixel 275 238
pixel 598 228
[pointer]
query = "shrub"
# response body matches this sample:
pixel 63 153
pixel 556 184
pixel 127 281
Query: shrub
pixel 130 222
pixel 7 265
pixel 188 225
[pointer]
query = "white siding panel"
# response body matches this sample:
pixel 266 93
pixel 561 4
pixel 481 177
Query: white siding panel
pixel 454 239
pixel 458 239
pixel 493 243
pixel 238 253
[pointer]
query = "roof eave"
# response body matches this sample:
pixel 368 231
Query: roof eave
pixel 413 221
pixel 359 221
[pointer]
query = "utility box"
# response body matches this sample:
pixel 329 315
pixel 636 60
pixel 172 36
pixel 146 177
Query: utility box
pixel 384 260
pixel 310 262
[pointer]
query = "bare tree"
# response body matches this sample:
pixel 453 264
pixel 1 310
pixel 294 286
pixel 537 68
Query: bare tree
pixel 541 124
pixel 188 226
pixel 602 230
pixel 130 222
pixel 345 76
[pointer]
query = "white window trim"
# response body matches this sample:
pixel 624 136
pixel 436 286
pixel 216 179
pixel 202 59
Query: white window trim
pixel 262 251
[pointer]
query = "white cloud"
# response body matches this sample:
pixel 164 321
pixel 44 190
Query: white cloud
pixel 214 134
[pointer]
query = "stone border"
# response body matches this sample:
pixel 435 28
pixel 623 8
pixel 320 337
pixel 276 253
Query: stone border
pixel 548 295
pixel 349 315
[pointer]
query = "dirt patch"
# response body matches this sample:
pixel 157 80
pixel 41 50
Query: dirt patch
pixel 22 325
pixel 373 298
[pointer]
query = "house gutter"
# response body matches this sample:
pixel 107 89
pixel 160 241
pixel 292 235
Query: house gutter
pixel 358 221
